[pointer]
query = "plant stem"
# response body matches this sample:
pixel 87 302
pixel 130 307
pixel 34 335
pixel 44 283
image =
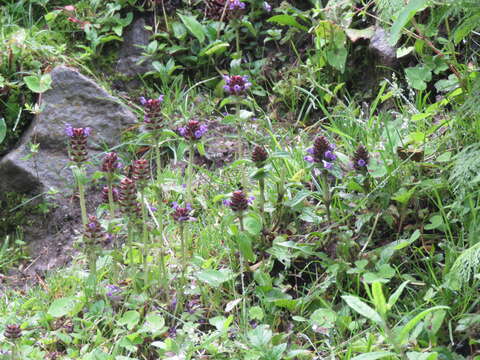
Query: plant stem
pixel 191 154
pixel 110 196
pixel 158 158
pixel 261 185
pixel 81 195
pixel 327 196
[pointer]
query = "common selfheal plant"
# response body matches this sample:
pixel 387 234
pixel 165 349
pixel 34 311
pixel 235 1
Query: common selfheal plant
pixel 78 154
pixel 182 214
pixel 361 159
pixel 236 84
pixel 322 155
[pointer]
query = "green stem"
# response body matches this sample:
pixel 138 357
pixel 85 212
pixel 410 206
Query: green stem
pixel 158 158
pixel 81 194
pixel 163 269
pixel 191 154
pixel 261 185
pixel 327 196
pixel 242 277
pixel 237 36
pixel 110 196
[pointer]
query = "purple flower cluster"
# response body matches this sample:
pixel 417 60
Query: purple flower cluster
pixel 152 109
pixel 236 84
pixel 239 201
pixel 110 163
pixel 321 153
pixel 78 142
pixel 182 214
pixel 235 5
pixel 193 130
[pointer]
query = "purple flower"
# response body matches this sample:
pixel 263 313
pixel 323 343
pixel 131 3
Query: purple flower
pixel 327 165
pixel 226 202
pixel 236 5
pixel 267 7
pixel 321 153
pixel 193 130
pixel 361 163
pixel 182 213
pixel 78 142
pixel 329 155
pixel 236 84
pixel 152 108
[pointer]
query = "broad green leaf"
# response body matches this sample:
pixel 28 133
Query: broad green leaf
pixel 179 31
pixel 374 355
pixel 363 309
pixel 256 313
pixel 405 16
pixel 215 278
pixel 214 48
pixel 130 319
pixel 245 246
pixel 418 76
pixel 415 355
pixel 260 336
pixel 194 27
pixel 3 130
pixel 405 330
pixel 63 307
pixel 253 224
pixel 154 323
pixel 323 318
pixel 38 83
pixel 287 20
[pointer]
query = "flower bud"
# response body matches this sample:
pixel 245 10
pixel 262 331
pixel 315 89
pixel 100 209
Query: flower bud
pixel 259 156
pixel 128 196
pixel 239 201
pixel 361 159
pixel 141 170
pixel 78 143
pixel 12 331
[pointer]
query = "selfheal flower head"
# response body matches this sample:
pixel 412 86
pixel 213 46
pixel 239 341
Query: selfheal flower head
pixel 235 5
pixel 236 84
pixel 94 233
pixel 239 201
pixel 110 162
pixel 321 152
pixel 259 156
pixel 193 131
pixel 361 159
pixel 128 197
pixel 152 108
pixel 78 142
pixel 267 7
pixel 105 194
pixel 182 214
pixel 141 170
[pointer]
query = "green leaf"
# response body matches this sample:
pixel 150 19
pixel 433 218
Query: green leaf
pixel 179 31
pixel 215 278
pixel 253 224
pixel 287 20
pixel 63 306
pixel 130 319
pixel 405 16
pixel 324 318
pixel 379 298
pixel 194 27
pixel 394 297
pixel 154 323
pixel 214 48
pixel 260 336
pixel 256 313
pixel 38 83
pixel 418 76
pixel 415 355
pixel 405 330
pixel 374 355
pixel 3 130
pixel 245 246
pixel 363 309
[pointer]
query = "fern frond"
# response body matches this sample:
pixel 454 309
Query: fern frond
pixel 464 268
pixel 464 175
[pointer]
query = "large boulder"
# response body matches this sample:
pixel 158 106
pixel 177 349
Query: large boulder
pixel 73 99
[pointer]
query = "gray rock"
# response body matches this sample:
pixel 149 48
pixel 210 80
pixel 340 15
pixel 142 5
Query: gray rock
pixel 79 101
pixel 130 56
pixel 379 44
